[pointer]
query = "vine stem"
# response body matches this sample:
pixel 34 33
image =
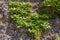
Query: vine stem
pixel 37 35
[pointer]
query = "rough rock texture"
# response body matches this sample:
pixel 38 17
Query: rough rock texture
pixel 3 21
pixel 50 34
pixel 8 30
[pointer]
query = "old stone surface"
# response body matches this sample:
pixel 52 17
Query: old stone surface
pixel 50 34
pixel 8 30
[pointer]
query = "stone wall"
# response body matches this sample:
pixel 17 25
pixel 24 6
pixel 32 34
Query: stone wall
pixel 8 30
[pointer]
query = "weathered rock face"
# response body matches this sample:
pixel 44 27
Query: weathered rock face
pixel 3 20
pixel 51 33
pixel 8 30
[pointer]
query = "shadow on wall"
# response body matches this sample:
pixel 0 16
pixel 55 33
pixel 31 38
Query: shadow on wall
pixel 28 0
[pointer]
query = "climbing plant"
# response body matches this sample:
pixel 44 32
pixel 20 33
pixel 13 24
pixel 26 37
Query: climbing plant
pixel 57 37
pixel 54 5
pixel 21 14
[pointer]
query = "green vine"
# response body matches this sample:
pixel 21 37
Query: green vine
pixel 53 4
pixel 22 16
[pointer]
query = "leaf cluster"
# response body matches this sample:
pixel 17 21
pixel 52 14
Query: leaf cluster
pixel 53 4
pixel 22 16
